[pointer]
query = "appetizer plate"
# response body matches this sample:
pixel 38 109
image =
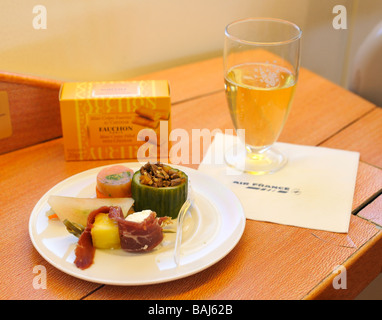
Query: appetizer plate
pixel 211 230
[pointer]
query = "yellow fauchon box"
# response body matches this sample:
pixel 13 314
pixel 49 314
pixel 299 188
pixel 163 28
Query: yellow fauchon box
pixel 115 119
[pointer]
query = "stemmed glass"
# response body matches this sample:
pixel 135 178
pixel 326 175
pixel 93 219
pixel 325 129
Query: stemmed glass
pixel 261 66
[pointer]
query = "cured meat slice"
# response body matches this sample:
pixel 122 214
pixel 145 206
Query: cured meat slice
pixel 139 236
pixel 85 250
pixel 134 236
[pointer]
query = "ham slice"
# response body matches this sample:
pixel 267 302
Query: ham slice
pixel 139 236
pixel 134 236
pixel 85 250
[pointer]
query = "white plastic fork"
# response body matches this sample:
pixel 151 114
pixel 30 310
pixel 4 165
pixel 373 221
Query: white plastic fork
pixel 179 229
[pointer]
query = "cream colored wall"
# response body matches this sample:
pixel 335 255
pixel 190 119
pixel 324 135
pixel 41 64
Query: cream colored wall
pixel 116 39
pixel 367 14
pixel 325 48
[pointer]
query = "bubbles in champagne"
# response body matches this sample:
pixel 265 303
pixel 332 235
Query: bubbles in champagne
pixel 259 97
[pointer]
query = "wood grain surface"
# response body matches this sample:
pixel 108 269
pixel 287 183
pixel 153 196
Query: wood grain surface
pixel 34 110
pixel 271 261
pixel 363 135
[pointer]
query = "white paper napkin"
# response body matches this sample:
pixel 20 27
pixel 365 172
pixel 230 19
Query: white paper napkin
pixel 314 190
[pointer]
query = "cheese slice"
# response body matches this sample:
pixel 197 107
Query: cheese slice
pixel 138 216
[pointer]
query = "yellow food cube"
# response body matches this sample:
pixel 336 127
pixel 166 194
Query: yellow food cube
pixel 105 232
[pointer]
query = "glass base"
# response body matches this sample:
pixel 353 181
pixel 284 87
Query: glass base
pixel 259 162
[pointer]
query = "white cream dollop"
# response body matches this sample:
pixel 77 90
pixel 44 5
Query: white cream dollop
pixel 138 216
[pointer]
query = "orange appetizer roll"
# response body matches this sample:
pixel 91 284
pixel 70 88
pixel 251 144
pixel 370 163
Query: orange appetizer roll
pixel 114 182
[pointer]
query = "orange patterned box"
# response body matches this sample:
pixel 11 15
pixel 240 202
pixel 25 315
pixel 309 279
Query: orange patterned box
pixel 115 119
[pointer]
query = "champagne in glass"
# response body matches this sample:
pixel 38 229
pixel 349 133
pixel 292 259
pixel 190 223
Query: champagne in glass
pixel 261 59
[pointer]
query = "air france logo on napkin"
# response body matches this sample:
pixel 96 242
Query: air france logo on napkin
pixel 266 187
pixel 314 190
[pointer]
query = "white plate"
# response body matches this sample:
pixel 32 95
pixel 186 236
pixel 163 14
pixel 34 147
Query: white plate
pixel 211 230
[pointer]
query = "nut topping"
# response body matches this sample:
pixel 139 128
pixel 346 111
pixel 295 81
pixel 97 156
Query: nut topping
pixel 160 176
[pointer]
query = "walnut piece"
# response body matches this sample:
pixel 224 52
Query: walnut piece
pixel 160 176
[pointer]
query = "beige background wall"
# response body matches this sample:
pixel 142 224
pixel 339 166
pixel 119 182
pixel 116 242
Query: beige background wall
pixel 116 39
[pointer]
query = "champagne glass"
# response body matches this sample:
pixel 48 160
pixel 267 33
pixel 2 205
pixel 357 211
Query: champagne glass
pixel 261 65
